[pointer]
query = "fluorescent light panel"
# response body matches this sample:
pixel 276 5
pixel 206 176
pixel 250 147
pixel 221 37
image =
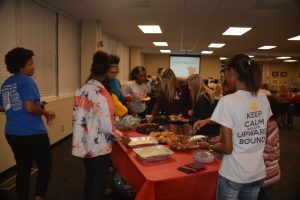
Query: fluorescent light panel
pixel 160 44
pixel 150 28
pixel 223 58
pixel 216 45
pixel 267 47
pixel 236 30
pixel 165 51
pixel 290 61
pixel 295 38
pixel 250 56
pixel 283 57
pixel 206 52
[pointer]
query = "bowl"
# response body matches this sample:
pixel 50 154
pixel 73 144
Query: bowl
pixel 203 156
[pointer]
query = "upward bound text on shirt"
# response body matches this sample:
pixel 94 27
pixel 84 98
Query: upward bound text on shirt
pixel 253 131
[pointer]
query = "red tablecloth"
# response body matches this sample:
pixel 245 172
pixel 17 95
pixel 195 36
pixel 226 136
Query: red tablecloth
pixel 161 180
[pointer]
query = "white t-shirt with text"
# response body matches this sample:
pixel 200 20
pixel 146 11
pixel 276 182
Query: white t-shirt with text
pixel 247 117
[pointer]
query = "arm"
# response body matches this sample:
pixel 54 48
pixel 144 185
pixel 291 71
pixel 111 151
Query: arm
pixel 32 107
pixel 225 145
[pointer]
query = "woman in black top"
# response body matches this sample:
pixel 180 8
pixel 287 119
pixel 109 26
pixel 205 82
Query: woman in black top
pixel 203 105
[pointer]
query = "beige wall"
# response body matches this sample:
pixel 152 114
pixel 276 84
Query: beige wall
pixel 292 80
pixel 89 39
pixel 210 65
pixel 154 61
pixel 113 46
pixel 61 127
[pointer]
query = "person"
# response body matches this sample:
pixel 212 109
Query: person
pixel 113 85
pixel 265 89
pixel 271 152
pixel 291 109
pixel 138 90
pixel 243 117
pixel 93 128
pixel 203 104
pixel 174 99
pixel 112 73
pixel 218 93
pixel 24 129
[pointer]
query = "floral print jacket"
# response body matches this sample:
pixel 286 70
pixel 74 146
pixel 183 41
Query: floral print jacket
pixel 93 124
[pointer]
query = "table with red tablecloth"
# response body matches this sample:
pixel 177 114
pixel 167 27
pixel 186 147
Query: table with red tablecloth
pixel 160 179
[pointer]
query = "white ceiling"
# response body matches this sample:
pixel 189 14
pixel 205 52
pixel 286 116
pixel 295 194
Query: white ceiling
pixel 194 24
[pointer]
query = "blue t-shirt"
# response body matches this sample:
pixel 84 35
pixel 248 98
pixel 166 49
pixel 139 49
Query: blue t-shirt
pixel 116 89
pixel 14 92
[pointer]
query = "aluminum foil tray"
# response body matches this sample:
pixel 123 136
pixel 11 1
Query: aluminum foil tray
pixel 153 153
pixel 142 141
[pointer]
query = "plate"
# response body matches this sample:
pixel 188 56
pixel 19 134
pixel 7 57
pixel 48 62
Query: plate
pixel 142 141
pixel 203 156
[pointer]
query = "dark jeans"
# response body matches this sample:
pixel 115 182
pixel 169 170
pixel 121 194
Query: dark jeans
pixel 27 149
pixel 96 175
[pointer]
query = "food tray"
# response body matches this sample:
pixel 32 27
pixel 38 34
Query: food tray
pixel 153 153
pixel 203 156
pixel 142 141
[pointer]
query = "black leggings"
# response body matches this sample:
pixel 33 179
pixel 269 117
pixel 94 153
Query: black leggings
pixel 96 175
pixel 27 149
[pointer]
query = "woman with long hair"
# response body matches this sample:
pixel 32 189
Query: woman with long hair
pixel 243 116
pixel 174 99
pixel 203 104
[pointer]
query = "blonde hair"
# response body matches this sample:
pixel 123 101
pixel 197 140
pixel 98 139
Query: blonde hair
pixel 169 88
pixel 218 90
pixel 198 88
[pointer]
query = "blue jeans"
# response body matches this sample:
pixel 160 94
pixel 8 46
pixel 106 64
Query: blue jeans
pixel 230 190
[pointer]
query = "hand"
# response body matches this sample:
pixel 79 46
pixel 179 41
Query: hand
pixel 204 145
pixel 200 123
pixel 50 114
pixel 215 139
pixel 125 140
pixel 149 118
pixel 145 98
pixel 129 97
pixel 190 112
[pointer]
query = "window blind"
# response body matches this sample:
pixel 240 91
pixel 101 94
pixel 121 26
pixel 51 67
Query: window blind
pixel 38 31
pixel 7 34
pixel 68 55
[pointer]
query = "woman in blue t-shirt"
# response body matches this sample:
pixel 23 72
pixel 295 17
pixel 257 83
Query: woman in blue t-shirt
pixel 24 129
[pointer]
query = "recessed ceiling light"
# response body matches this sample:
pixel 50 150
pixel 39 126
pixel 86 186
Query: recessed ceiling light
pixel 236 30
pixel 165 51
pixel 150 28
pixel 206 52
pixel 250 56
pixel 216 45
pixel 283 57
pixel 295 38
pixel 290 61
pixel 267 47
pixel 160 44
pixel 223 58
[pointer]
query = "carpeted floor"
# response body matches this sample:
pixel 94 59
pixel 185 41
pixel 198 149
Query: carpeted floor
pixel 67 173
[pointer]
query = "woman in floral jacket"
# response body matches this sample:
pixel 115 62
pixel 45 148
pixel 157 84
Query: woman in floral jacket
pixel 93 128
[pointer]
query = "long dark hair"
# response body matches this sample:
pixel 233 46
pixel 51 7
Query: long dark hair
pixel 249 72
